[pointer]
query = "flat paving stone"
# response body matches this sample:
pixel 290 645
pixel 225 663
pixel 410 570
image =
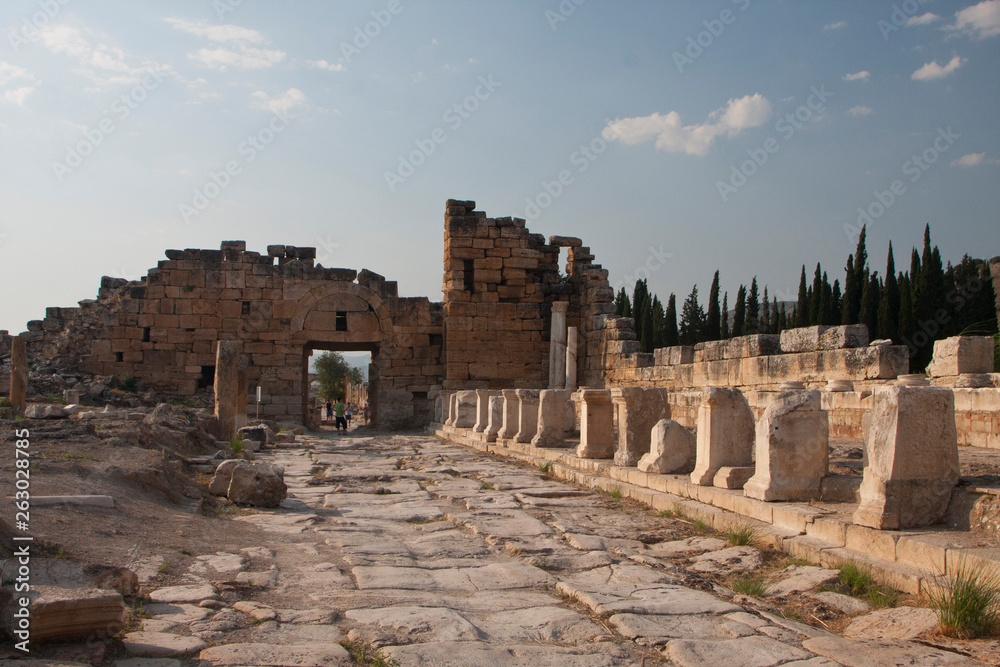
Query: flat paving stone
pixel 218 564
pixel 543 624
pixel 733 559
pixel 743 652
pixel 688 547
pixel 496 576
pixel 883 653
pixel 898 623
pixel 176 613
pixel 161 644
pixel 654 629
pixel 800 578
pixel 464 654
pixel 194 593
pixel 424 624
pixel 268 655
pixel 841 602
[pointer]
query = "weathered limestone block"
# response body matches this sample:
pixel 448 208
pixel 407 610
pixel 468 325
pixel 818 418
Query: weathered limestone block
pixel 673 356
pixel 732 477
pixel 483 397
pixel 802 339
pixel 527 417
pixel 65 613
pixel 465 408
pixel 671 449
pixel 495 422
pixel 754 345
pixel 597 433
pixel 912 453
pixel 511 412
pixel 452 409
pixel 556 416
pixel 725 433
pixel 842 337
pixel 259 484
pixel 638 411
pixel 962 354
pixel 19 374
pixel 793 438
pixel 227 388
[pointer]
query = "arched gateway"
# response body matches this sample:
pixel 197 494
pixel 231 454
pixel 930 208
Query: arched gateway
pixel 490 331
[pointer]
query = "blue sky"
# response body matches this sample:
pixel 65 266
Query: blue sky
pixel 675 138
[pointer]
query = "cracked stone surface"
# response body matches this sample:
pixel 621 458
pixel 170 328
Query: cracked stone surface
pixel 435 554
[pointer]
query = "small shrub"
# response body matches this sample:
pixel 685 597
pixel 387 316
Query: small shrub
pixel 237 445
pixel 486 486
pixel 129 384
pixel 753 585
pixel 858 577
pixel 546 467
pixel 969 603
pixel 700 526
pixel 615 493
pixel 666 514
pixel 363 654
pixel 741 534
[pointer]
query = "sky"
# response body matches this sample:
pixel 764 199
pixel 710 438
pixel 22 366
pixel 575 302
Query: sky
pixel 675 138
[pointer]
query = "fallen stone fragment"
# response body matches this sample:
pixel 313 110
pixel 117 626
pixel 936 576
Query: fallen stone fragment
pixel 898 623
pixel 63 613
pixel 161 644
pixel 256 610
pixel 733 559
pixel 844 603
pixel 259 484
pixel 798 579
pixel 269 655
pixel 875 653
pixel 672 449
pixel 176 613
pixel 69 574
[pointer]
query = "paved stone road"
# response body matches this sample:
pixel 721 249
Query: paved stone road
pixel 443 556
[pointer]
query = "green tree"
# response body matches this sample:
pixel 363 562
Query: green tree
pixel 713 320
pixel 870 298
pixel 751 324
pixel 333 373
pixel 725 316
pixel 692 319
pixel 623 308
pixel 889 304
pixel 765 313
pixel 739 311
pixel 802 305
pixel 670 334
pixel 639 296
pixel 657 325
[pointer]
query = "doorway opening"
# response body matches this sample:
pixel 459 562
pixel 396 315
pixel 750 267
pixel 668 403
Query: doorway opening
pixel 339 373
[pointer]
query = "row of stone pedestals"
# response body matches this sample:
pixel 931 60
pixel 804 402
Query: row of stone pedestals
pixel 911 451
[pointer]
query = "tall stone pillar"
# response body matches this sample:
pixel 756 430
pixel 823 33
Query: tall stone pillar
pixel 19 375
pixel 483 397
pixel 725 434
pixel 638 411
pixel 597 430
pixel 527 416
pixel 556 417
pixel 511 411
pixel 572 348
pixel 495 422
pixel 227 387
pixel 557 346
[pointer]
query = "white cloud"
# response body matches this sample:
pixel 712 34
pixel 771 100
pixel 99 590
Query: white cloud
pixel 324 65
pixel 859 111
pixel 103 64
pixel 973 160
pixel 835 26
pixel 671 136
pixel 923 19
pixel 982 20
pixel 17 95
pixel 24 81
pixel 240 46
pixel 283 103
pixel 857 76
pixel 932 70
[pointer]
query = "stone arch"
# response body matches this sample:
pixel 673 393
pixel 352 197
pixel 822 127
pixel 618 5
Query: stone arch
pixel 311 303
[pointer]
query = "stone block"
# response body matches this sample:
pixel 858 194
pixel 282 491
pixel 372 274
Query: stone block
pixel 802 339
pixel 962 354
pixel 511 412
pixel 483 397
pixel 597 436
pixel 495 422
pixel 638 412
pixel 671 450
pixel 732 477
pixel 725 433
pixel 754 345
pixel 673 356
pixel 792 441
pixel 912 464
pixel 842 337
pixel 527 417
pixel 465 408
pixel 556 418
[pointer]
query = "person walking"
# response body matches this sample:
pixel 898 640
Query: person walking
pixel 329 410
pixel 338 411
pixel 347 414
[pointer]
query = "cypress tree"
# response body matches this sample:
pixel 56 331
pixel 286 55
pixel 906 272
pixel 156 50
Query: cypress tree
pixel 656 324
pixel 622 306
pixel 869 303
pixel 775 326
pixel 692 319
pixel 905 316
pixel 837 301
pixel 765 314
pixel 739 311
pixel 888 307
pixel 850 287
pixel 815 314
pixel 639 295
pixel 827 313
pixel 782 319
pixel 802 305
pixel 670 334
pixel 752 323
pixel 713 321
pixel 725 316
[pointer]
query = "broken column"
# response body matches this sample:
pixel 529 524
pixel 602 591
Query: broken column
pixel 465 408
pixel 572 347
pixel 597 433
pixel 557 346
pixel 18 375
pixel 556 417
pixel 495 422
pixel 638 411
pixel 527 417
pixel 912 453
pixel 452 409
pixel 227 387
pixel 483 397
pixel 792 441
pixel 671 449
pixel 725 436
pixel 510 415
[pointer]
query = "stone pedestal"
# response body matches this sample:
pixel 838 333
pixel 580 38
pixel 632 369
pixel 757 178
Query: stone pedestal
pixel 227 387
pixel 555 418
pixel 671 449
pixel 527 417
pixel 912 458
pixel 495 422
pixel 452 409
pixel 597 433
pixel 638 411
pixel 572 351
pixel 510 415
pixel 465 408
pixel 483 397
pixel 725 434
pixel 793 438
pixel 19 375
pixel 557 346
pixel 962 354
